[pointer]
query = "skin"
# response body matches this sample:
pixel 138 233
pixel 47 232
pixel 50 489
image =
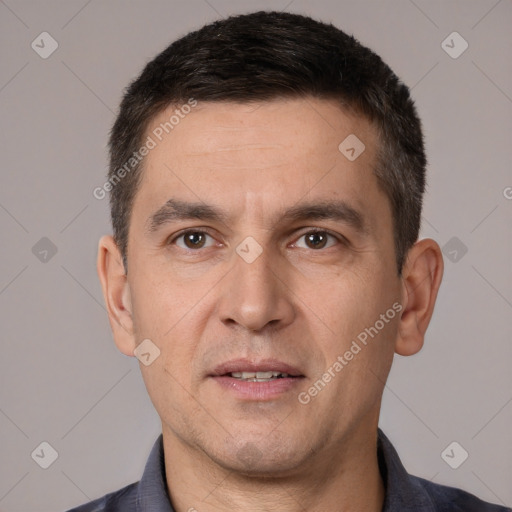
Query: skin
pixel 296 302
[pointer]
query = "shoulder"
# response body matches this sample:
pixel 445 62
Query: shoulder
pixel 123 500
pixel 452 499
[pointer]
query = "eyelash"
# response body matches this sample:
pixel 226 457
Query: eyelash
pixel 341 239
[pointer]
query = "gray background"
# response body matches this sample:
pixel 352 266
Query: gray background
pixel 62 379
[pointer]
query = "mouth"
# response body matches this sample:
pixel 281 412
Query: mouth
pixel 257 380
pixel 258 376
pixel 266 369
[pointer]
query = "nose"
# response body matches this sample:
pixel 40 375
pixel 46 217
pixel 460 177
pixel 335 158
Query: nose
pixel 256 294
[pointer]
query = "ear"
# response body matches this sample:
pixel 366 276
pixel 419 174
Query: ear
pixel 116 293
pixel 421 278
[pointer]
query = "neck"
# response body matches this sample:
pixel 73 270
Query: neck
pixel 344 478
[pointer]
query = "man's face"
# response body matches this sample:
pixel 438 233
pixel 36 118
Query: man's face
pixel 213 308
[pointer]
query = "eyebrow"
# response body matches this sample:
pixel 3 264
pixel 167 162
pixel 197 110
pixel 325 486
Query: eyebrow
pixel 175 210
pixel 337 210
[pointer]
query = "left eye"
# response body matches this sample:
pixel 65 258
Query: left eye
pixel 193 240
pixel 316 240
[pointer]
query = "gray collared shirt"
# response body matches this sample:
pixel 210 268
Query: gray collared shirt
pixel 404 492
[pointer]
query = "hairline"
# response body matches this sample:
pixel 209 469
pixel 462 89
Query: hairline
pixel 349 107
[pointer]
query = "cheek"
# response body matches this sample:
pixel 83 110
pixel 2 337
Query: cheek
pixel 170 393
pixel 159 302
pixel 352 307
pixel 171 314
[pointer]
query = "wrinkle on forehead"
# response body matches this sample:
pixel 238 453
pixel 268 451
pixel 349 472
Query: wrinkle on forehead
pixel 238 147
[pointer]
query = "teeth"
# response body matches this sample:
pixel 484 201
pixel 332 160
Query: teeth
pixel 265 375
pixel 258 376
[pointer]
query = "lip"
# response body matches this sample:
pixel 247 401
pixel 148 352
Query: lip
pixel 256 391
pixel 246 365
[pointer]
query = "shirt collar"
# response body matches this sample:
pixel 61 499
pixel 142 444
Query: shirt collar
pixel 152 490
pixel 403 492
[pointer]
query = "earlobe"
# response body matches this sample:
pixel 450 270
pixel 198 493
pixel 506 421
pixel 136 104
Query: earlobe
pixel 421 279
pixel 116 293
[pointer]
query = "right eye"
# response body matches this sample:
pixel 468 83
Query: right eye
pixel 192 239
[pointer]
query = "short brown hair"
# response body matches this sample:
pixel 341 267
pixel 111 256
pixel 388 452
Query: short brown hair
pixel 268 55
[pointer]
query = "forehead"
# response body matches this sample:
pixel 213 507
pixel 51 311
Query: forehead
pixel 305 126
pixel 261 155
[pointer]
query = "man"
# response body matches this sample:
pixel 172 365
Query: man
pixel 266 182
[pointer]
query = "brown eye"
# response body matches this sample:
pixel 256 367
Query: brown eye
pixel 316 240
pixel 192 240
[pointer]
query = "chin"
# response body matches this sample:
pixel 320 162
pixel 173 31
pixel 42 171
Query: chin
pixel 260 458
